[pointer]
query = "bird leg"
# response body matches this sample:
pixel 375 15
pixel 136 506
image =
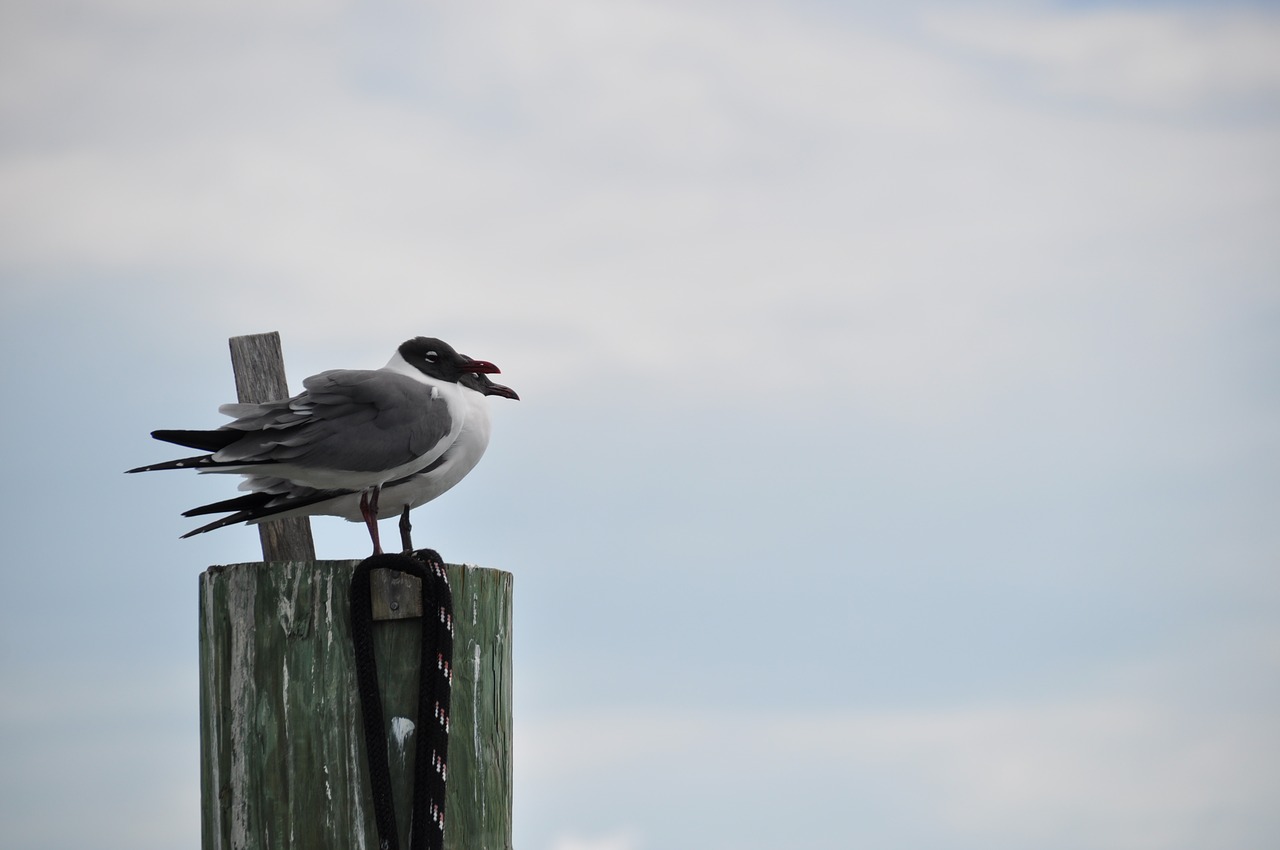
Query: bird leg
pixel 369 510
pixel 406 540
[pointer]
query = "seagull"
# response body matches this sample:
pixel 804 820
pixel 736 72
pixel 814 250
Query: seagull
pixel 277 498
pixel 351 430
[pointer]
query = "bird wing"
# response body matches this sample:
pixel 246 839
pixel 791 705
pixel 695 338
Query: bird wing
pixel 348 419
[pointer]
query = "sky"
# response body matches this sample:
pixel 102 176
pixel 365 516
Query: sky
pixel 897 461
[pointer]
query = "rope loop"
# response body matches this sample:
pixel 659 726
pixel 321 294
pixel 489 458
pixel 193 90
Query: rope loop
pixel 435 679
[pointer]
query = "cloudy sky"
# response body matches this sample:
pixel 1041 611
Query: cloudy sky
pixel 898 458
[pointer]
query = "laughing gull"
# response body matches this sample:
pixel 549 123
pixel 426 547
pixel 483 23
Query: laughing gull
pixel 276 498
pixel 349 430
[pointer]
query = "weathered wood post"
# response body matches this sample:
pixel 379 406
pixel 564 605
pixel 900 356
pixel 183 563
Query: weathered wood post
pixel 282 761
pixel 258 363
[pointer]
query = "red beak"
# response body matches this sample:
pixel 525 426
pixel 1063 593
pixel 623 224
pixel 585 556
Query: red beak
pixel 484 367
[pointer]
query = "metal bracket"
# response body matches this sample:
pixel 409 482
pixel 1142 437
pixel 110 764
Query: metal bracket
pixel 395 595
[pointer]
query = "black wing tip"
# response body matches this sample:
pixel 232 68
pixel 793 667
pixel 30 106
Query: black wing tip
pixel 243 516
pixel 195 462
pixel 209 441
pixel 246 503
pixel 201 463
pixel 258 506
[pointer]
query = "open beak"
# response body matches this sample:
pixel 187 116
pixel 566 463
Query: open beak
pixel 499 389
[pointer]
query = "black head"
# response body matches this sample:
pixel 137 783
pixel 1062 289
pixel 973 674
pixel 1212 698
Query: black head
pixel 438 359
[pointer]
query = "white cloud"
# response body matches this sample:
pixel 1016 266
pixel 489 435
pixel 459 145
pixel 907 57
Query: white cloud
pixel 634 181
pixel 1156 58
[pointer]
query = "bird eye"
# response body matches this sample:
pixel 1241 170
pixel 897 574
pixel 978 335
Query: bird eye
pixel 431 357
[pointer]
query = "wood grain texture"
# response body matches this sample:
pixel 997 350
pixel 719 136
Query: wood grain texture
pixel 258 363
pixel 282 747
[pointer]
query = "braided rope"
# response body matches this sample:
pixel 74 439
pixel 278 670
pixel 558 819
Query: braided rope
pixel 435 678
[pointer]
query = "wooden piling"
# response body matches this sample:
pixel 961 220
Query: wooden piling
pixel 282 751
pixel 258 363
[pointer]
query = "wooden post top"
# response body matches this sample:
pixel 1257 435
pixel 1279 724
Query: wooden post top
pixel 258 363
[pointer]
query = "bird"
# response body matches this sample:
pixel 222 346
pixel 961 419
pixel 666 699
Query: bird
pixel 350 431
pixel 276 498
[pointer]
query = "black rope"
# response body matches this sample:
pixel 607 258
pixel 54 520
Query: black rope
pixel 435 676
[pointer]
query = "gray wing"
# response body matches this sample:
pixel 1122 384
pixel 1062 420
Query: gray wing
pixel 360 420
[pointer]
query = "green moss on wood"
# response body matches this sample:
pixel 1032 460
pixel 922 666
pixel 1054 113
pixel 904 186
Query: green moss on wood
pixel 282 751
